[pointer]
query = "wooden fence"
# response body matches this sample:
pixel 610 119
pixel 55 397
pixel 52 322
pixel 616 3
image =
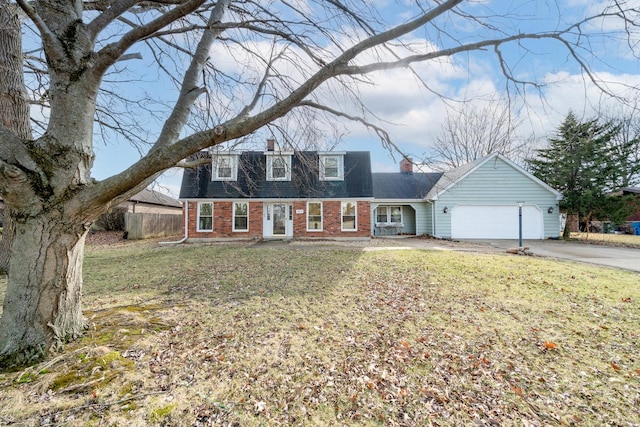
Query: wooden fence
pixel 147 225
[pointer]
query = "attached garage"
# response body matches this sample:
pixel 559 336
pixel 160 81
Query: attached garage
pixel 480 200
pixel 495 222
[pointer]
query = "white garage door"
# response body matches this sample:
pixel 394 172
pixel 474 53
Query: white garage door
pixel 495 222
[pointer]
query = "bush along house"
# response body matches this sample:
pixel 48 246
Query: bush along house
pixel 279 194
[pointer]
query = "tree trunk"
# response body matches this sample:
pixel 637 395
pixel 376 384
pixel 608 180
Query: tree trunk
pixel 6 240
pixel 566 233
pixel 42 307
pixel 14 109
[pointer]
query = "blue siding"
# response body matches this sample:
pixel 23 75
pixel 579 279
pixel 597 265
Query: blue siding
pixel 496 182
pixel 416 217
pixel 424 218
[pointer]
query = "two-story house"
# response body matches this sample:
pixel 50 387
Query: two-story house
pixel 279 194
pixel 309 194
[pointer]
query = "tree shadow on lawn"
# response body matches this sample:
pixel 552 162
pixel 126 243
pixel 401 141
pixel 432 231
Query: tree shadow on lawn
pixel 216 272
pixel 141 301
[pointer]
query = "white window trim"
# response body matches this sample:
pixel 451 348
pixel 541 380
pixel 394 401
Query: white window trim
pixel 198 217
pixel 233 162
pixel 321 218
pixel 339 158
pixel 233 224
pixel 355 204
pixel 388 221
pixel 287 163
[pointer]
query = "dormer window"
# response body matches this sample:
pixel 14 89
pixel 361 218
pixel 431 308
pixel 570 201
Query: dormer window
pixel 331 167
pixel 278 167
pixel 225 167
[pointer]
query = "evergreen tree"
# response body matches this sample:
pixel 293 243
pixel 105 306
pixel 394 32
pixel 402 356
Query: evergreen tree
pixel 580 164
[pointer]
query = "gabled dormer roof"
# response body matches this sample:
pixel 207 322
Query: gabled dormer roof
pixel 304 183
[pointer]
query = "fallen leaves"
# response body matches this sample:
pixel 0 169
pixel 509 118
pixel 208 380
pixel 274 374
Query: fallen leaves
pixel 394 339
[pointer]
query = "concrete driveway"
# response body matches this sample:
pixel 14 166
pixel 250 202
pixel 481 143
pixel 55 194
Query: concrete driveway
pixel 610 256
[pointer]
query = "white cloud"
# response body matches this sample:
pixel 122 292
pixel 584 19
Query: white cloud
pixel 415 112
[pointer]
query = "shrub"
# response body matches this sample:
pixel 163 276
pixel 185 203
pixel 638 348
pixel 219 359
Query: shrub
pixel 111 221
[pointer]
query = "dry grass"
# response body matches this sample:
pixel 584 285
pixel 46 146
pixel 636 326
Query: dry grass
pixel 615 239
pixel 231 335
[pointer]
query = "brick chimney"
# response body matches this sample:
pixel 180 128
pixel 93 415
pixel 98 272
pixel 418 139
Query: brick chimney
pixel 406 165
pixel 271 144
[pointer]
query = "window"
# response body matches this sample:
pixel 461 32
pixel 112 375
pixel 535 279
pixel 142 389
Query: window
pixel 314 216
pixel 381 216
pixel 240 216
pixel 331 168
pixel 278 167
pixel 205 216
pixel 389 215
pixel 395 215
pixel 349 216
pixel 225 167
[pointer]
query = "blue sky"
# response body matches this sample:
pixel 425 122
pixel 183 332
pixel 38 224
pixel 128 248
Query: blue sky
pixel 413 114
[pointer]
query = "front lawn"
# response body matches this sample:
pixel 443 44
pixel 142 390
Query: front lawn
pixel 199 335
pixel 629 240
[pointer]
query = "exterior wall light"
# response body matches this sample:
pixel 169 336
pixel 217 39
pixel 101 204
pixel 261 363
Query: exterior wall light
pixel 550 210
pixel 445 210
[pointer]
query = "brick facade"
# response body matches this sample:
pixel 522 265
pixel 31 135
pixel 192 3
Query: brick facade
pixel 223 222
pixel 331 221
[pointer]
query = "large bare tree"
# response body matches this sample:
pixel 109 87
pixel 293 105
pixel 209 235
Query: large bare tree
pixel 238 66
pixel 625 146
pixel 476 130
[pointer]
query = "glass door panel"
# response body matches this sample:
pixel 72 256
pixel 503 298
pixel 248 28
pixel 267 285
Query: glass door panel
pixel 279 219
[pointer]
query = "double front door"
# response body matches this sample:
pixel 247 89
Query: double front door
pixel 278 220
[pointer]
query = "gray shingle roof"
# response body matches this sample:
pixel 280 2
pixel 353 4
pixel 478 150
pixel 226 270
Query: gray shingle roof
pixel 630 190
pixel 408 186
pixel 155 198
pixel 453 175
pixel 305 183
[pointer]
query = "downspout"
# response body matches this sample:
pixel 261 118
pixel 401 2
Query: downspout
pixel 433 218
pixel 186 227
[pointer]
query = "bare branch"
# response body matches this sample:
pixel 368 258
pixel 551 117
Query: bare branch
pixel 113 11
pixel 259 89
pixel 188 164
pixel 49 40
pixel 110 53
pixel 189 90
pixel 383 135
pixel 443 53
